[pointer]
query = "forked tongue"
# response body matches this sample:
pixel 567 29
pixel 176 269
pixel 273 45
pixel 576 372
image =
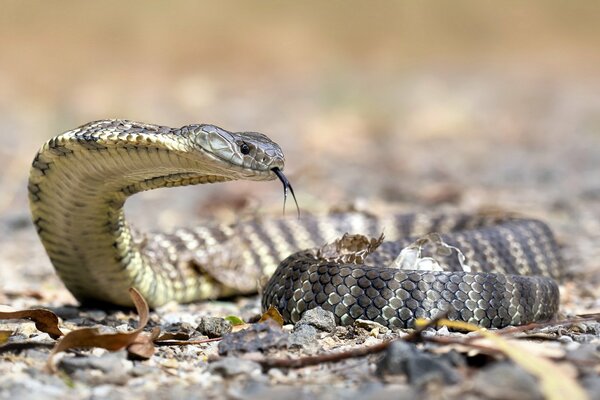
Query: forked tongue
pixel 286 186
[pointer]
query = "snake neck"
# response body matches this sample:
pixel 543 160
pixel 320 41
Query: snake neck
pixel 77 191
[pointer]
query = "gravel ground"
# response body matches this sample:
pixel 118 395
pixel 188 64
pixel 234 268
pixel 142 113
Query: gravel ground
pixel 515 128
pixel 546 173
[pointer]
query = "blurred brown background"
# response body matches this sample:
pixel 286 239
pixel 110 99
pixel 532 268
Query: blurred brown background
pixel 420 104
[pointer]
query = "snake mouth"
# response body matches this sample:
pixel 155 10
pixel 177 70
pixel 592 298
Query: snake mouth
pixel 286 185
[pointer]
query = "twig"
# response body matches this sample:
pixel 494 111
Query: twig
pixel 185 342
pixel 18 346
pixel 539 325
pixel 306 361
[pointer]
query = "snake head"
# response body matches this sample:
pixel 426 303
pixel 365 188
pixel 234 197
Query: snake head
pixel 252 154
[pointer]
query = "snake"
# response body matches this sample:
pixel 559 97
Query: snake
pixel 80 180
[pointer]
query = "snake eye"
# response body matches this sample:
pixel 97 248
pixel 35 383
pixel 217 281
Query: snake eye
pixel 244 148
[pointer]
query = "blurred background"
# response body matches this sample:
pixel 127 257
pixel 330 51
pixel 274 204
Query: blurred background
pixel 418 105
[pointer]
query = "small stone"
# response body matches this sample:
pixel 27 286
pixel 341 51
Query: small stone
pixel 140 369
pixel 303 336
pixel 419 368
pixel 36 354
pixel 506 380
pixel 592 386
pixel 184 327
pixel 96 315
pixel 258 337
pixel 108 362
pixel 214 327
pixel 374 327
pixel 454 358
pixel 319 318
pixel 232 366
pixel 565 339
pixel 170 363
pixel 67 312
pixel 585 338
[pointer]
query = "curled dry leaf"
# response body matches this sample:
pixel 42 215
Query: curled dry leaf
pixel 91 337
pixel 45 320
pixel 272 314
pixel 142 347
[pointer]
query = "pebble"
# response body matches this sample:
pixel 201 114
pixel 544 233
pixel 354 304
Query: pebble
pixel 232 366
pixel 21 387
pixel 304 336
pixel 319 318
pixel 505 380
pixel 109 362
pixel 419 367
pixel 258 337
pixel 214 327
pixel 182 328
pixel 592 386
pixel 67 312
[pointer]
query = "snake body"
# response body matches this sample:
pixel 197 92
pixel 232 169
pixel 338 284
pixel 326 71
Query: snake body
pixel 80 180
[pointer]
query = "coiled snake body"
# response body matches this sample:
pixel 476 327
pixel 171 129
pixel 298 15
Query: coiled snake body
pixel 80 180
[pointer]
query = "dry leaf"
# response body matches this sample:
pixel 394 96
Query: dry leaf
pixel 241 327
pixel 91 337
pixel 45 320
pixel 4 335
pixel 272 314
pixel 142 347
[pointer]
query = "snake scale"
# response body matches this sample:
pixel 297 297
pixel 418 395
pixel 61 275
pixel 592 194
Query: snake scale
pixel 80 180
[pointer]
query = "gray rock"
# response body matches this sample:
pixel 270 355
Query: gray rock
pixel 586 353
pixel 109 362
pixel 303 336
pixel 419 367
pixel 585 338
pixel 214 327
pixel 454 359
pixel 184 327
pixel 592 386
pixel 232 366
pixel 505 380
pixel 36 354
pixel 258 337
pixel 16 388
pixel 67 312
pixel 319 318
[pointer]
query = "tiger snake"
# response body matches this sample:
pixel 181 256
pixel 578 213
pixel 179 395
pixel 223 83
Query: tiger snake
pixel 80 180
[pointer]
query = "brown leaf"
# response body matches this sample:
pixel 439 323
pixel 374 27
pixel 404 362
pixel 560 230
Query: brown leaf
pixel 272 314
pixel 90 337
pixel 237 328
pixel 45 320
pixel 350 248
pixel 142 347
pixel 4 335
